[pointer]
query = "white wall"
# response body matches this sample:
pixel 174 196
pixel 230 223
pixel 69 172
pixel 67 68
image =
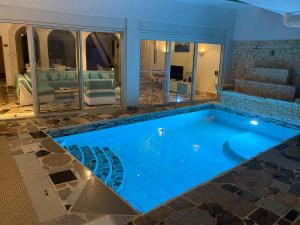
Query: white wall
pixel 260 24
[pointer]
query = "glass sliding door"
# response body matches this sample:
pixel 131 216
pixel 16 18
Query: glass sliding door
pixel 208 70
pixel 153 72
pixel 101 57
pixel 57 70
pixel 181 71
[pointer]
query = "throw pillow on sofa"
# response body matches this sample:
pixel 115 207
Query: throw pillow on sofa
pixel 71 75
pixel 94 75
pixel 42 76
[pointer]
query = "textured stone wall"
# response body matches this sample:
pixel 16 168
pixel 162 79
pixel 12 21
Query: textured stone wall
pixel 271 54
pixel 274 109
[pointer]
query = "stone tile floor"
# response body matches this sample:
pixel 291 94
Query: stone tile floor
pixel 9 106
pixel 263 191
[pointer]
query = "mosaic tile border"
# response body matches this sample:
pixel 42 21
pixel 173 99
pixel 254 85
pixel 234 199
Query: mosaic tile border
pixel 288 112
pixel 75 129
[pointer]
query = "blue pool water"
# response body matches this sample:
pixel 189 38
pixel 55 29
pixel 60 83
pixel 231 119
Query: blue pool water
pixel 150 162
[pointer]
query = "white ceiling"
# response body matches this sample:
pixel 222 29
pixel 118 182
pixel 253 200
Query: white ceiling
pixel 216 3
pixel 279 6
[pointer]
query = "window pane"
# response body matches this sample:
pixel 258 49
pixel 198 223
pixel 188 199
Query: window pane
pixel 101 68
pixel 152 72
pixel 181 71
pixel 57 70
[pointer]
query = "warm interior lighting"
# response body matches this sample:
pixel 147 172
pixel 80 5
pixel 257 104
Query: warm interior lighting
pixel 202 52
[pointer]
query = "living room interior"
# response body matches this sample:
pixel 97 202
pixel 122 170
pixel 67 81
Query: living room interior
pixel 57 69
pixel 194 70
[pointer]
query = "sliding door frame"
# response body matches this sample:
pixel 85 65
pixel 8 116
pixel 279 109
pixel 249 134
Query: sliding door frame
pixel 221 66
pixel 32 62
pixel 168 62
pixel 78 41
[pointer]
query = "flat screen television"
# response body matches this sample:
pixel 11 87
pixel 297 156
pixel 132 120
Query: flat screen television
pixel 176 72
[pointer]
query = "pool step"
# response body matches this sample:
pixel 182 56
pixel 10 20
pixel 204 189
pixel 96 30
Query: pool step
pixel 76 152
pixel 104 163
pixel 247 145
pixel 90 159
pixel 117 175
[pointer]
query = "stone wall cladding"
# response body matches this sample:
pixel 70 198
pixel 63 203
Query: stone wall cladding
pixel 274 109
pixel 283 54
pixel 266 90
pixel 269 75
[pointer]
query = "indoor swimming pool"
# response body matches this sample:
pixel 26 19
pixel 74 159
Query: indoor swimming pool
pixel 148 163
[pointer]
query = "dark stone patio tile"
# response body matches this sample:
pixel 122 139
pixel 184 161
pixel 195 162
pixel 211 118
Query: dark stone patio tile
pixel 270 166
pixel 282 178
pixel 224 217
pixel 229 201
pixel 249 196
pixel 62 176
pixel 285 198
pixel 193 216
pixel 230 188
pixel 253 164
pixel 283 222
pixel 255 178
pixel 194 197
pixel 42 153
pixel 293 141
pixel 292 215
pixel 180 203
pixel 227 178
pixel 275 207
pixel 248 222
pixel 281 146
pixel 154 217
pixel 38 134
pixel 292 153
pixel 263 217
pixel 276 157
pixel 295 189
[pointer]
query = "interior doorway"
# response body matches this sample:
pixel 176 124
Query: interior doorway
pixel 15 81
pixel 208 71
